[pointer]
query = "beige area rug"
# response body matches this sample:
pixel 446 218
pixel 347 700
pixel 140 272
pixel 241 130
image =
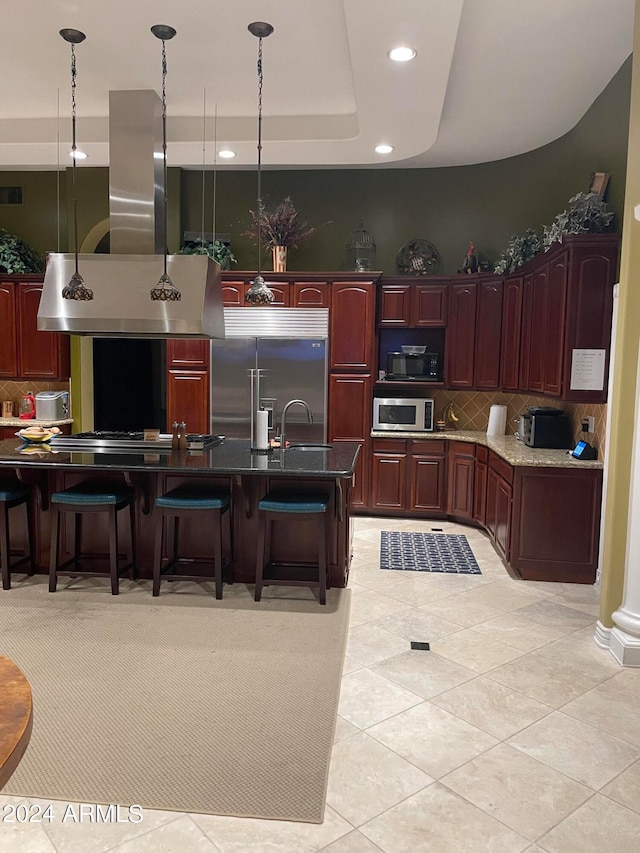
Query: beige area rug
pixel 190 704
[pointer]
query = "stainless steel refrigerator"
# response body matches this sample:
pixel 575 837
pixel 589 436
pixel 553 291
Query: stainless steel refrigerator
pixel 289 348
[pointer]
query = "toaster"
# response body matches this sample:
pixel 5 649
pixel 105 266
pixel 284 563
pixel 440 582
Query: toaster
pixel 52 405
pixel 551 430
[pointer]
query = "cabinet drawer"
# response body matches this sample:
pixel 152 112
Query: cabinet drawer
pixel 463 448
pixel 389 445
pixel 502 468
pixel 429 448
pixel 482 453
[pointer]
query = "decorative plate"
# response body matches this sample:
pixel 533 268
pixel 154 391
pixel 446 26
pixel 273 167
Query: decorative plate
pixel 418 257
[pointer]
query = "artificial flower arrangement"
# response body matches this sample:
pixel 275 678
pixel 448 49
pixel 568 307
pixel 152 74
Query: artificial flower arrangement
pixel 280 227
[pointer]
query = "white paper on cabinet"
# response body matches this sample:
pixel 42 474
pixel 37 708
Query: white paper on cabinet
pixel 587 369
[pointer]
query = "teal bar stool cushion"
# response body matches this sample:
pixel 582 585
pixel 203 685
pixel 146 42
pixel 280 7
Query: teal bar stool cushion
pixel 280 502
pixel 12 492
pixel 93 494
pixel 194 497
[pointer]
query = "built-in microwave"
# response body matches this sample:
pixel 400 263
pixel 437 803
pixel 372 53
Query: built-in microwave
pixel 403 414
pixel 423 367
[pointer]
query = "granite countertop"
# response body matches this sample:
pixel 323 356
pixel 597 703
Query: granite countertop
pixel 9 422
pixel 507 446
pixel 233 456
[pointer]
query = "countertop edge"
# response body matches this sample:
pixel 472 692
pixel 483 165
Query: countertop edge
pixel 9 422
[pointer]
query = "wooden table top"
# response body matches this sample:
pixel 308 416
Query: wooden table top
pixel 16 717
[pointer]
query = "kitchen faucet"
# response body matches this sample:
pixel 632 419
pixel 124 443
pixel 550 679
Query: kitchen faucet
pixel 284 416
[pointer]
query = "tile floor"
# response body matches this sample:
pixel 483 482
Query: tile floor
pixel 514 732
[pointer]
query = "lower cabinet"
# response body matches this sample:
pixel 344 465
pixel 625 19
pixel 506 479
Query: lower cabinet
pixel 498 503
pixel 409 475
pixel 460 497
pixel 544 522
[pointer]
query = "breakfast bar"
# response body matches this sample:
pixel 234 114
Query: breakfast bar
pixel 248 475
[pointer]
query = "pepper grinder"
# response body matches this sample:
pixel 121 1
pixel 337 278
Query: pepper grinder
pixel 182 437
pixel 175 436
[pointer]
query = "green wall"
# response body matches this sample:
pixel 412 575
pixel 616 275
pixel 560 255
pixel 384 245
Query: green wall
pixel 485 203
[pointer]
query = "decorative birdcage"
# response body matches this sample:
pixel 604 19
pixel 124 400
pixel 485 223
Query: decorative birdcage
pixel 361 250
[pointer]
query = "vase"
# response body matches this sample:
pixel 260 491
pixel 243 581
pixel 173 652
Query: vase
pixel 279 258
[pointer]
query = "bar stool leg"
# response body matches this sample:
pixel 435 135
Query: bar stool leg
pixel 31 536
pixel 217 552
pixel 113 549
pixel 53 554
pixel 262 524
pixel 328 540
pixel 134 541
pixel 77 537
pixel 5 551
pixel 157 552
pixel 322 559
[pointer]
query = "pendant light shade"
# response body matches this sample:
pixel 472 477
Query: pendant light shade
pixel 76 289
pixel 165 290
pixel 259 293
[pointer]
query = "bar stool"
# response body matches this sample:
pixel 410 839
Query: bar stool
pixel 277 506
pixel 213 502
pixel 87 497
pixel 12 495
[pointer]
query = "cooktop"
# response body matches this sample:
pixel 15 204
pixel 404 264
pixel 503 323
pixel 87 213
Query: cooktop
pixel 122 441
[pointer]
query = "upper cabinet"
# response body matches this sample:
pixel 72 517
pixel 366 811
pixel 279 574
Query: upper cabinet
pixel 461 335
pixel 566 309
pixel 26 353
pixel 413 304
pixel 352 326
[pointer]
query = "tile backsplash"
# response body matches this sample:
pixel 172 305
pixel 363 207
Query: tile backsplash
pixel 472 408
pixel 10 390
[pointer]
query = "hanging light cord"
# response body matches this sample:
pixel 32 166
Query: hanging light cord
pixel 260 205
pixel 164 148
pixel 73 152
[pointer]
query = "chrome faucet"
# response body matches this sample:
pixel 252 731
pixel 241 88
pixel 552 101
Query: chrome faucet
pixel 284 417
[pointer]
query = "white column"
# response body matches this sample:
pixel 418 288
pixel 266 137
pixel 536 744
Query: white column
pixel 624 641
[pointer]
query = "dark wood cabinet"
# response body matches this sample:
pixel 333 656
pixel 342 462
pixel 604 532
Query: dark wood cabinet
pixel 498 503
pixel 8 341
pixel 510 333
pixel 486 372
pixel 567 304
pixel 183 353
pixel 351 326
pixel 408 475
pixel 460 476
pixel 350 412
pixel 427 478
pixel 413 305
pixel 556 524
pixel 480 484
pixel 281 294
pixel 188 399
pixel 310 295
pixel 233 293
pixel 389 475
pixel 25 352
pixel 461 335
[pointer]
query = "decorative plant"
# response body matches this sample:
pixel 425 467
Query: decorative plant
pixel 216 250
pixel 281 227
pixel 586 213
pixel 520 249
pixel 16 256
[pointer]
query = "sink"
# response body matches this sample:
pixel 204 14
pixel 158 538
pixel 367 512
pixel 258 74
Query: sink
pixel 309 447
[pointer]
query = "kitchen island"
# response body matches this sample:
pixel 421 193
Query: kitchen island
pixel 249 476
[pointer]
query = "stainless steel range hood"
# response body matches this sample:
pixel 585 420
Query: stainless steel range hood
pixel 121 282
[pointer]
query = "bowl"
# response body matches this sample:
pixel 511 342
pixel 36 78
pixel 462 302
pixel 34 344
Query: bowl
pixel 410 350
pixel 35 437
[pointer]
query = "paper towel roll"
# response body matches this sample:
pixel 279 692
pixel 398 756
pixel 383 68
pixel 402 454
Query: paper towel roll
pixel 262 429
pixel 497 420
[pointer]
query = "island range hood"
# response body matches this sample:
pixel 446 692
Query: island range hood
pixel 121 281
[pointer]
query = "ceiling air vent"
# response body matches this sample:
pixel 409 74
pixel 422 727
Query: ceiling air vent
pixel 10 195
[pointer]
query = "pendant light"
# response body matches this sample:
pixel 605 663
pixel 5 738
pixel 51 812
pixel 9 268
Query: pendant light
pixel 259 293
pixel 76 289
pixel 165 290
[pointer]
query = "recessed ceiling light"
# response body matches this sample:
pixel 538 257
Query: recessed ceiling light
pixel 402 54
pixel 384 149
pixel 227 154
pixel 78 155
